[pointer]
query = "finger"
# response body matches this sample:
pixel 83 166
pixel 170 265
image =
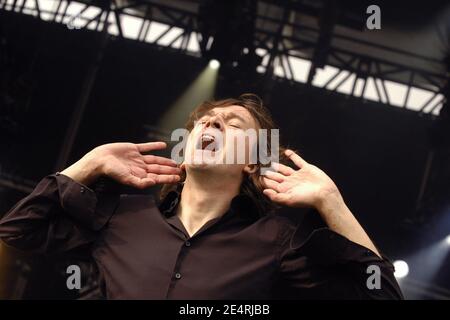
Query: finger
pixel 275 196
pixel 270 184
pixel 159 169
pixel 299 162
pixel 283 169
pixel 278 177
pixel 150 159
pixel 149 146
pixel 167 178
pixel 140 183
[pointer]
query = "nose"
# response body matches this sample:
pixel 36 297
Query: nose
pixel 214 122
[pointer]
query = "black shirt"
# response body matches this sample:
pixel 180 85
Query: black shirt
pixel 142 250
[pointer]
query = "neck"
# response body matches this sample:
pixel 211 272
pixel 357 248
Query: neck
pixel 204 198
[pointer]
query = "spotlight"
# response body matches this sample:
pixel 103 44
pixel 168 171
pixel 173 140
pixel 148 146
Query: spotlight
pixel 447 240
pixel 214 64
pixel 401 269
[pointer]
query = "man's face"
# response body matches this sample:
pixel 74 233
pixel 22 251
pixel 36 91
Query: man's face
pixel 220 140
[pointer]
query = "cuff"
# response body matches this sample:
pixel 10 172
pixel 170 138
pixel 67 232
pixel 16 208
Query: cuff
pixel 83 205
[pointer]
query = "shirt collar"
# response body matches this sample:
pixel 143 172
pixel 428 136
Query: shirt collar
pixel 241 205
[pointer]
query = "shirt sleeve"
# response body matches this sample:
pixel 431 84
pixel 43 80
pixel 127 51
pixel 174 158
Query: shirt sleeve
pixel 59 215
pixel 329 266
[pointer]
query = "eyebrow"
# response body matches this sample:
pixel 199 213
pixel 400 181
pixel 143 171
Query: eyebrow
pixel 229 115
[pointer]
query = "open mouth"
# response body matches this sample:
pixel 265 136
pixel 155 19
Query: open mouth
pixel 207 142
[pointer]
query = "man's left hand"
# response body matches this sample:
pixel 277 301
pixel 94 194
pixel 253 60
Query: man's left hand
pixel 308 186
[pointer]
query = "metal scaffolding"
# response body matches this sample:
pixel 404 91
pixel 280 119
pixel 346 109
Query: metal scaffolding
pixel 279 41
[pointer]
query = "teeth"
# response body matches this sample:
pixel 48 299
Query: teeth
pixel 207 137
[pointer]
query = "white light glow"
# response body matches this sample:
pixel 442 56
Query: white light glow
pixel 401 269
pixel 214 64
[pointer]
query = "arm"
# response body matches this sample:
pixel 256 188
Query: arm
pixel 340 219
pixel 333 262
pixel 327 265
pixel 59 215
pixel 63 212
pixel 311 187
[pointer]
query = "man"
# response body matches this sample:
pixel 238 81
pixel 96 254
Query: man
pixel 213 236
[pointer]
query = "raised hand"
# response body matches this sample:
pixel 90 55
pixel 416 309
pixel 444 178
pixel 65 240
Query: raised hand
pixel 306 186
pixel 126 163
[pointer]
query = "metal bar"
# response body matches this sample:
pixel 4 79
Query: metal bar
pixel 377 67
pixel 79 13
pixel 338 72
pixel 275 49
pixel 65 10
pixel 185 44
pixel 436 104
pixel 411 80
pixel 427 78
pixel 428 102
pixel 22 6
pixel 142 35
pixel 380 98
pixel 343 80
pixel 99 20
pixel 96 18
pixel 337 35
pixel 365 83
pixel 280 61
pixel 162 35
pixel 175 39
pixel 118 22
pixel 37 8
pixel 57 10
pixel 402 68
pixel 183 18
pixel 289 67
pixel 286 58
pixel 397 69
pixel 348 63
pixel 356 78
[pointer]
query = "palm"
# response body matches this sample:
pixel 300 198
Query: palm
pixel 126 163
pixel 297 188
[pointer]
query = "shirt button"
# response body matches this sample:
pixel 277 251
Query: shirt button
pixel 187 244
pixel 82 190
pixel 178 275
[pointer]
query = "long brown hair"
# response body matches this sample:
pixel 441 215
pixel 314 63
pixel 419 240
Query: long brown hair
pixel 251 185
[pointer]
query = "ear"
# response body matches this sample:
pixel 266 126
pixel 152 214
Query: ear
pixel 250 168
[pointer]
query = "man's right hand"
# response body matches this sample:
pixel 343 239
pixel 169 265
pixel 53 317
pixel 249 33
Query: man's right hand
pixel 125 163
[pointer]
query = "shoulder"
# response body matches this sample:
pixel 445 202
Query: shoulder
pixel 281 228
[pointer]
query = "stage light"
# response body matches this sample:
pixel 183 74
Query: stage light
pixel 214 64
pixel 201 89
pixel 447 240
pixel 401 269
